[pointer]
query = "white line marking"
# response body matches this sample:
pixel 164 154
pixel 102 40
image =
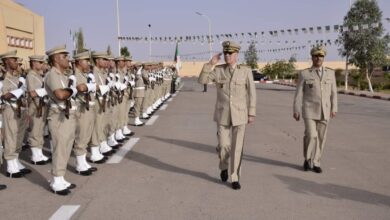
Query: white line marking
pixel 174 95
pixel 151 120
pixel 170 99
pixel 64 212
pixel 118 156
pixel 164 107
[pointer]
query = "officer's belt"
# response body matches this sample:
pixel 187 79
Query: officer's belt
pixel 91 103
pixel 14 105
pixel 62 107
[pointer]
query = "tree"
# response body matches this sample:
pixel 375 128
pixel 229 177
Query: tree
pixel 78 39
pixel 109 50
pixel 125 52
pixel 364 44
pixel 281 68
pixel 251 56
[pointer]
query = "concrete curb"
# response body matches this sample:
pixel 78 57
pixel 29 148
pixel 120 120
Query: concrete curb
pixel 343 92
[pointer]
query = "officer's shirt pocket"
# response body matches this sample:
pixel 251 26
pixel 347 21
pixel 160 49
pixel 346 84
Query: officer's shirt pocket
pixel 309 83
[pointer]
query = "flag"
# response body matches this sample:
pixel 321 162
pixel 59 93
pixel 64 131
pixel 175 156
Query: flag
pixel 177 57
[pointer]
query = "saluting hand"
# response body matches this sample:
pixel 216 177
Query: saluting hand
pixel 215 59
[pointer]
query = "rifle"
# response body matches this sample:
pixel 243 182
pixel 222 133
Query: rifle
pixel 87 96
pixel 19 103
pixel 68 103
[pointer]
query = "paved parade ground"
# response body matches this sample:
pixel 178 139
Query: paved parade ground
pixel 169 169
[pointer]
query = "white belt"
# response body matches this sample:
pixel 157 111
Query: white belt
pixel 91 103
pixel 139 88
pixel 14 105
pixel 62 107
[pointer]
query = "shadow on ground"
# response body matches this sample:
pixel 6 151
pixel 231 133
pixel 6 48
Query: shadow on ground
pixel 212 149
pixel 333 191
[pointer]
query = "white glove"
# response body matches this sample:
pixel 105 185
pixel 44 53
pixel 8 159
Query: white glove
pixel 17 92
pixel 41 92
pixel 74 92
pixel 139 71
pixel 91 77
pixel 132 83
pixel 104 89
pixel 112 76
pixel 74 80
pixel 23 81
pixel 118 85
pixel 123 87
pixel 91 87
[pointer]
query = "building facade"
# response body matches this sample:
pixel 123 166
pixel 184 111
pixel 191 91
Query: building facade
pixel 21 29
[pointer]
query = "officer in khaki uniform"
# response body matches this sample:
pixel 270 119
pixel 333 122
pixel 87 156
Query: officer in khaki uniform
pixel 13 94
pixel 235 107
pixel 99 137
pixel 139 95
pixel 122 86
pixel 37 109
pixel 61 116
pixel 316 96
pixel 86 114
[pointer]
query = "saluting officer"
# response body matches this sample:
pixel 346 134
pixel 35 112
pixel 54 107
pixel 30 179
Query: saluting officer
pixel 316 96
pixel 235 107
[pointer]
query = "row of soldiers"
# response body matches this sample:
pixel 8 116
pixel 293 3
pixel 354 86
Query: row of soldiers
pixel 84 103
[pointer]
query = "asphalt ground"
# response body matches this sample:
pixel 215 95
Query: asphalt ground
pixel 171 170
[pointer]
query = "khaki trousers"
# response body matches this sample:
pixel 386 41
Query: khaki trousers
pixel 137 106
pixel 14 130
pixel 98 130
pixel 123 112
pixel 146 101
pixel 37 127
pixel 230 144
pixel 314 139
pixel 84 129
pixel 63 133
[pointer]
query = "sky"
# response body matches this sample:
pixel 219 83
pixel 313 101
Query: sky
pixel 98 20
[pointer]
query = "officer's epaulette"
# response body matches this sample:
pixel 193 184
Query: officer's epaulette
pixel 243 66
pixel 329 68
pixel 221 65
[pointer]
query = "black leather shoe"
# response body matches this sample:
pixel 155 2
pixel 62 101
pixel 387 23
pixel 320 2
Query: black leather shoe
pixel 2 186
pixel 25 171
pixel 42 162
pixel 140 125
pixel 236 185
pixel 72 186
pixel 116 147
pixel 93 169
pixel 62 192
pixel 306 165
pixel 15 175
pixel 224 175
pixel 85 172
pixel 103 160
pixel 317 169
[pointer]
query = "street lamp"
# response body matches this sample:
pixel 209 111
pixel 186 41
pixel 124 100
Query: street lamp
pixel 209 22
pixel 150 43
pixel 117 22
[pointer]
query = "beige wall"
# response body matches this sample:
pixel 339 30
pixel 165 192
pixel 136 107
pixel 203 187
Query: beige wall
pixel 20 23
pixel 194 68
